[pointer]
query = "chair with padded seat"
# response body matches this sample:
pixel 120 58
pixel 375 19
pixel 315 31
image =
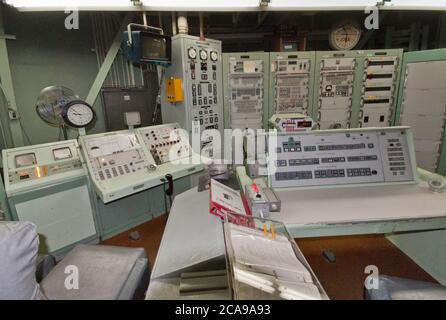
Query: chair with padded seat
pixel 395 288
pixel 87 272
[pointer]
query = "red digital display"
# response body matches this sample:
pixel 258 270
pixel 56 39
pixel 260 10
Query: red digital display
pixel 305 124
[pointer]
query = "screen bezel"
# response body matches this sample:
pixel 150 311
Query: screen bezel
pixel 24 155
pixel 60 149
pixel 150 35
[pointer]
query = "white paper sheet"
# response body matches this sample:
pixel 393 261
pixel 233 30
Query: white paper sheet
pixel 264 255
pixel 298 290
pixel 270 265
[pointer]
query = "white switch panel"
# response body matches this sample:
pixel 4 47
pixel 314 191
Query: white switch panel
pixel 340 157
pixel 166 143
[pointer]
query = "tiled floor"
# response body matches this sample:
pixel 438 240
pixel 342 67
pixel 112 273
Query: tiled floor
pixel 343 279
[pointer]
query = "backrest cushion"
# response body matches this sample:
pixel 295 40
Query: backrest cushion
pixel 19 244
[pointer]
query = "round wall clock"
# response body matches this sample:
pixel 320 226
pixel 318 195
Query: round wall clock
pixel 345 35
pixel 78 114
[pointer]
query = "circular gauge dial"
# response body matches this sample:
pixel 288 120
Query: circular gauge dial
pixel 203 55
pixel 192 53
pixel 78 114
pixel 214 56
pixel 345 35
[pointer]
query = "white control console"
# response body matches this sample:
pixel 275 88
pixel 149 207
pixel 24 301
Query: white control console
pixel 125 162
pixel 114 155
pixel 334 157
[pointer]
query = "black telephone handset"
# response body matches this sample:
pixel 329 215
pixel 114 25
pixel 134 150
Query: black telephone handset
pixel 169 179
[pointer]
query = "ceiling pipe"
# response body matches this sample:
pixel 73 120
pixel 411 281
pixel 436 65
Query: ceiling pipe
pixel 174 23
pixel 144 18
pixel 160 20
pixel 201 19
pixel 183 27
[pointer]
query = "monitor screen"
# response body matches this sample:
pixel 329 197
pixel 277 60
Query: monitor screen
pixel 154 48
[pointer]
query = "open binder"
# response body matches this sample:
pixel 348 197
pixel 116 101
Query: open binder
pixel 264 262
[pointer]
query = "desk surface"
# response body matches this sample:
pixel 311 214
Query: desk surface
pixel 360 204
pixel 192 235
pixel 186 237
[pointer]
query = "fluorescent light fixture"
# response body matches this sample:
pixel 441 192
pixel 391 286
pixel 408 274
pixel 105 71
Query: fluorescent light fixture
pixel 317 5
pixel 224 5
pixel 158 5
pixel 193 5
pixel 63 4
pixel 170 5
pixel 416 5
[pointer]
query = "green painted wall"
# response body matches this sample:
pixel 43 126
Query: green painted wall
pixel 4 208
pixel 45 54
pixel 3 122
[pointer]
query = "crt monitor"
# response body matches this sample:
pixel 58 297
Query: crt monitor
pixel 153 47
pixel 148 47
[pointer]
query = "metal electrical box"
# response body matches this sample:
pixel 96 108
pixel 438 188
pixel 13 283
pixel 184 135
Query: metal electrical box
pixel 246 82
pixel 198 63
pixel 291 82
pixel 174 90
pixel 422 106
pixel 356 88
pixel 47 184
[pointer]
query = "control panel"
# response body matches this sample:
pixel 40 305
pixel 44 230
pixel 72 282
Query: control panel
pixel 291 77
pixel 36 165
pixel 198 63
pixel 111 156
pixel 245 94
pixel 291 122
pixel 117 163
pixel 337 76
pixel 261 199
pixel 379 87
pixel 166 143
pixel 47 185
pixel 125 162
pixel 340 157
pixel 357 88
pixel 202 63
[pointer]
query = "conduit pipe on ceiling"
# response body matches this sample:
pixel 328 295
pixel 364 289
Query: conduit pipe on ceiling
pixel 201 19
pixel 183 27
pixel 174 23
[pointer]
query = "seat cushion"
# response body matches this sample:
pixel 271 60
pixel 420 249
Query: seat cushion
pixel 394 288
pixel 102 271
pixel 19 244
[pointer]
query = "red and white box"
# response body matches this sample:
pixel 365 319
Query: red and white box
pixel 225 200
